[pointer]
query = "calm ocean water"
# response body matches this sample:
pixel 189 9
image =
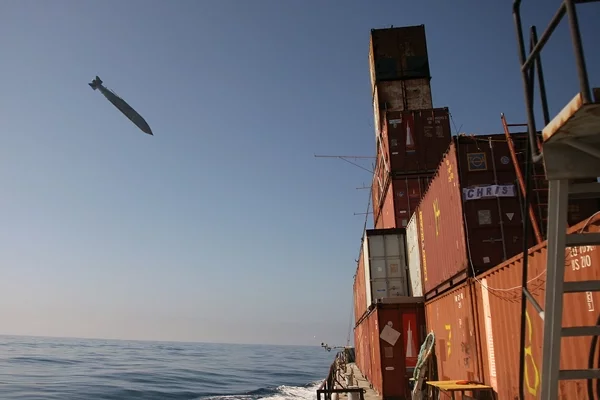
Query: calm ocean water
pixel 48 368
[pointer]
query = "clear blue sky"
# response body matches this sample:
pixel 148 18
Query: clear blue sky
pixel 223 226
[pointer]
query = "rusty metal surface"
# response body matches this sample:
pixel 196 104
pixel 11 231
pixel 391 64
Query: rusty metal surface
pixel 395 333
pixel 414 94
pixel 498 300
pixel 443 245
pixel 362 344
pixel 359 347
pixel 493 225
pixel 469 225
pixel 401 199
pixel 408 192
pixel 457 345
pixel 383 213
pixel 579 209
pixel 359 289
pixel 398 53
pixel 416 140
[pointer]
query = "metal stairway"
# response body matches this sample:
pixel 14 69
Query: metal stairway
pixel 570 151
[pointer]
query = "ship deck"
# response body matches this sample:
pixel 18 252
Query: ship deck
pixel 361 381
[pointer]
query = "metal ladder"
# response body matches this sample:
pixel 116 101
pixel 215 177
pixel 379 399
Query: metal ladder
pixel 571 151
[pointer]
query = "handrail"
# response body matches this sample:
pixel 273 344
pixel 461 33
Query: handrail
pixel 327 387
pixel 529 63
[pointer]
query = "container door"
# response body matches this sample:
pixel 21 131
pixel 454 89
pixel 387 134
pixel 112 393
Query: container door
pixel 393 367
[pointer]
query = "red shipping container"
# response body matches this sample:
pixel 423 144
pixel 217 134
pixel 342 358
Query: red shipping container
pixel 400 201
pixel 498 299
pixel 359 288
pixel 362 345
pixel 395 334
pixel 471 215
pixel 457 344
pixel 579 209
pixel 415 141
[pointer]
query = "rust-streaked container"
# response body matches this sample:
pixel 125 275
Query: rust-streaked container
pixel 579 209
pixel 398 53
pixel 395 333
pixel 359 288
pixel 362 345
pixel 400 201
pixel 498 299
pixel 415 141
pixel 457 346
pixel 385 215
pixel 470 217
pixel 414 94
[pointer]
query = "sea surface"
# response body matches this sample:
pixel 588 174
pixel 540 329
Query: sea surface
pixel 33 368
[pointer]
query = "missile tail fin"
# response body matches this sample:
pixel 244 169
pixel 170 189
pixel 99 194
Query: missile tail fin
pixel 95 83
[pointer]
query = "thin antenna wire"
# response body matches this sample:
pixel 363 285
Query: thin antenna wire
pixel 356 165
pixel 454 123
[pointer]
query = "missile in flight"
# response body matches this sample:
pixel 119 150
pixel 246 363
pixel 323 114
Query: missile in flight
pixel 122 105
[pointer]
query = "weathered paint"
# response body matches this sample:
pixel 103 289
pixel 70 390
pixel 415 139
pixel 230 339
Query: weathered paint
pixel 398 53
pixel 579 209
pixel 362 344
pixel 416 140
pixel 395 333
pixel 359 288
pixel 498 299
pixel 414 94
pixel 386 217
pixel 470 216
pixel 457 345
pixel 408 192
pixel 414 255
pixel 400 201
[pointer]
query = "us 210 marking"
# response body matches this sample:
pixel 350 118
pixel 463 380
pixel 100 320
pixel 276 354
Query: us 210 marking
pixel 581 257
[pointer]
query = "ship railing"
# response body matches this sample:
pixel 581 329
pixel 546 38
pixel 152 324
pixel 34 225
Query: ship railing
pixel 328 386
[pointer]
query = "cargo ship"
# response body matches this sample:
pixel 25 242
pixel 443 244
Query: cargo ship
pixel 445 303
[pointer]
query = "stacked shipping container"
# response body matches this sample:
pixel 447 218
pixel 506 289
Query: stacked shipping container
pixel 382 271
pixel 470 218
pixel 477 324
pixel 456 201
pixel 410 148
pixel 411 137
pixel 410 134
pixel 387 341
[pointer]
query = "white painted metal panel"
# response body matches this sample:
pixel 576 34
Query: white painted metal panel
pixel 414 256
pixel 385 265
pixel 385 288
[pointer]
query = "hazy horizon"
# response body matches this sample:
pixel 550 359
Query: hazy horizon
pixel 223 225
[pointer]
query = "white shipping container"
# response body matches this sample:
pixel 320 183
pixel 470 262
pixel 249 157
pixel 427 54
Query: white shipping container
pixel 414 256
pixel 385 269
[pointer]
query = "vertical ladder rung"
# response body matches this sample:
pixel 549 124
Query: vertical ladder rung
pixel 573 331
pixel 575 374
pixel 582 239
pixel 581 286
